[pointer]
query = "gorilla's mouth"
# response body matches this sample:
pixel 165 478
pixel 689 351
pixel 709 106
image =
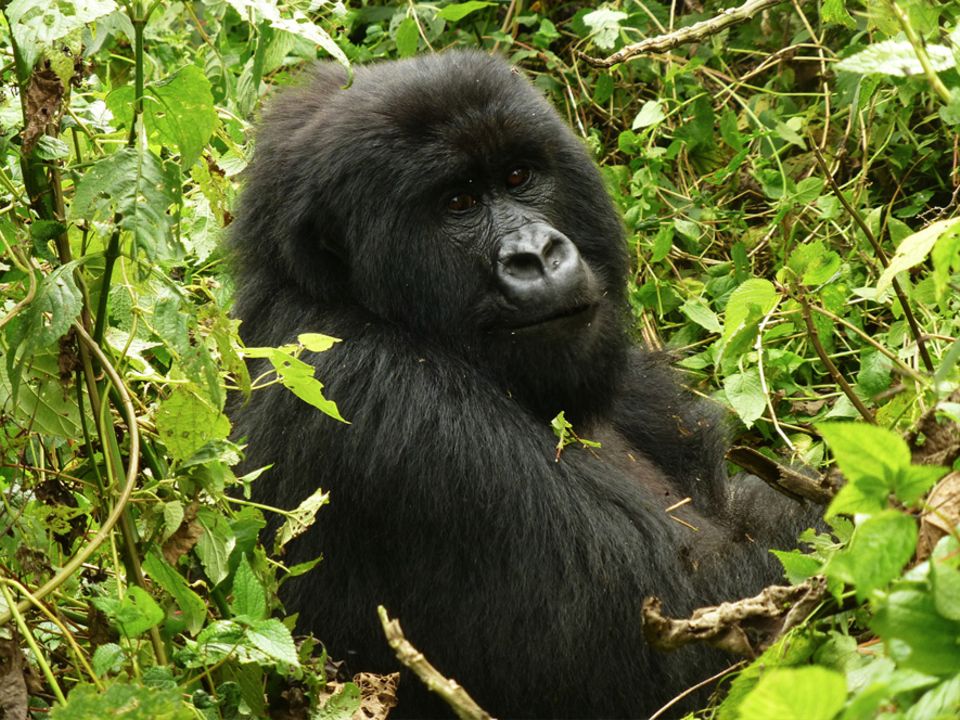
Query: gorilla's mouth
pixel 567 317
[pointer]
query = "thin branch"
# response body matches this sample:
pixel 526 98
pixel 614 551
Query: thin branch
pixel 693 33
pixel 881 256
pixel 831 368
pixel 450 690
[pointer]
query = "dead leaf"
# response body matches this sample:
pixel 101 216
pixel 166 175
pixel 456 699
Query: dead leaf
pixel 43 107
pixel 941 514
pixel 378 695
pixel 13 682
pixel 184 537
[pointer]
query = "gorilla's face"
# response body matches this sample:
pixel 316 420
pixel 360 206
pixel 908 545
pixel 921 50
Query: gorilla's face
pixel 458 205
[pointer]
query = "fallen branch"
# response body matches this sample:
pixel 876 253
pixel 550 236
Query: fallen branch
pixel 450 690
pixel 692 33
pixel 819 489
pixel 729 626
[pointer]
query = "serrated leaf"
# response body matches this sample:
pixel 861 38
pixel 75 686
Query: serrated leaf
pixel 36 399
pixel 249 597
pixel 914 249
pixel 605 27
pixel 458 11
pixel 753 293
pixel 38 24
pixel 179 110
pixel 215 545
pixel 55 306
pixel 878 551
pixel 141 188
pixel 802 693
pixel 186 422
pixel 897 58
pixel 301 26
pixel 124 702
pixel 745 394
pixel 273 638
pixel 916 635
pixel 866 451
pixel 833 11
pixel 108 658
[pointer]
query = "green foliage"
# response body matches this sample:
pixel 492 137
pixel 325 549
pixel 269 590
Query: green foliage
pixel 769 276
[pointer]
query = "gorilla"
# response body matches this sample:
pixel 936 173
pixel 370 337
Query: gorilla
pixel 440 218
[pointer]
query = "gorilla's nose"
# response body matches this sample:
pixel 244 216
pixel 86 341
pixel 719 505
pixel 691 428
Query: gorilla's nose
pixel 538 265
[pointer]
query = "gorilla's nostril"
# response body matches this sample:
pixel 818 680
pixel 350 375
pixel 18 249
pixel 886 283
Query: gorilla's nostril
pixel 524 266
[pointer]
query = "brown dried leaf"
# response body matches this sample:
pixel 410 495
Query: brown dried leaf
pixel 43 108
pixel 184 537
pixel 745 627
pixel 13 682
pixel 378 695
pixel 941 514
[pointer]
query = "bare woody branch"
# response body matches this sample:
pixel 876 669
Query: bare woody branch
pixel 693 33
pixel 450 690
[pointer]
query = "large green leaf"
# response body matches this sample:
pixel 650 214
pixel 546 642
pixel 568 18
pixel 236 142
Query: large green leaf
pixel 137 187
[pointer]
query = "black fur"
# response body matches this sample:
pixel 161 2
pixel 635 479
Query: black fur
pixel 519 575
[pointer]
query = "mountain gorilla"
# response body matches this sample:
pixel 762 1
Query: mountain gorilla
pixel 440 218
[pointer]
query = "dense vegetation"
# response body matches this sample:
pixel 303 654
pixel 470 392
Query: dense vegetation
pixel 790 188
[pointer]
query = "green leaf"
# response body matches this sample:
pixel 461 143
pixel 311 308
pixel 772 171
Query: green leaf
pixel 136 612
pixel 37 24
pixel 178 110
pixel 54 308
pixel 697 310
pixel 798 566
pixel 939 703
pixel 746 307
pixel 802 693
pixel 190 604
pixel 249 597
pixel 878 551
pixel 122 701
pixel 914 249
pixel 913 482
pixel 651 114
pixel 37 400
pixel 458 11
pixel 186 422
pixel 273 638
pixel 833 11
pixel 897 58
pixel 407 37
pixel 215 544
pixel 945 577
pixel 605 27
pixel 916 635
pixel 315 342
pixel 108 658
pixel 138 186
pixel 866 452
pixel 745 393
pixel 297 375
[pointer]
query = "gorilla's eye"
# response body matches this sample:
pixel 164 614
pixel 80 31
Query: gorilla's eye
pixel 518 177
pixel 462 201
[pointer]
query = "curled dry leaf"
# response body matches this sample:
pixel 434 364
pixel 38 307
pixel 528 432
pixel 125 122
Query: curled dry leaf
pixel 745 627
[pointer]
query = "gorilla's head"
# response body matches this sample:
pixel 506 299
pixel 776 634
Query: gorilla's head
pixel 444 195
